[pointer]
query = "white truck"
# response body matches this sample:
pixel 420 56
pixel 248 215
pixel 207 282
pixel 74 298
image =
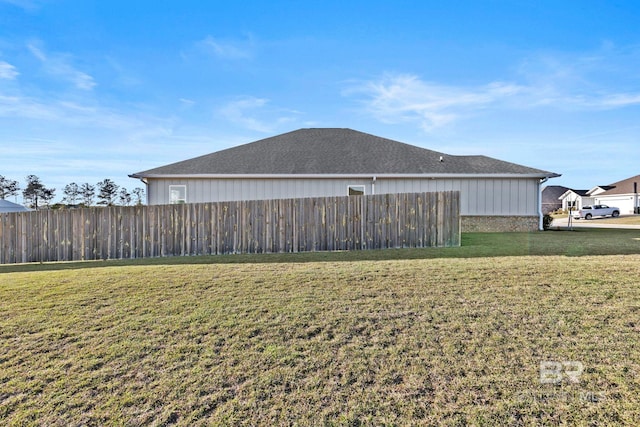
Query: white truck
pixel 588 212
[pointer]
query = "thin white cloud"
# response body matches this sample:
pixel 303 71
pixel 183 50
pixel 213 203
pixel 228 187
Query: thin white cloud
pixel 407 98
pixel 187 103
pixel 25 107
pixel 24 4
pixel 237 112
pixel 595 102
pixel 226 49
pixel 585 81
pixel 123 75
pixel 247 110
pixel 37 52
pixel 8 71
pixel 620 100
pixel 59 65
pixel 594 81
pixel 88 116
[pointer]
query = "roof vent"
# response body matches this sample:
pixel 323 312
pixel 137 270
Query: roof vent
pixel 441 159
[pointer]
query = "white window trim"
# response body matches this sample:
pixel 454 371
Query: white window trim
pixel 356 187
pixel 179 189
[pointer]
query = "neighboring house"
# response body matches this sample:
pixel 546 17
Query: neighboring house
pixel 599 189
pixel 495 195
pixel 551 198
pixel 622 194
pixel 575 199
pixel 8 207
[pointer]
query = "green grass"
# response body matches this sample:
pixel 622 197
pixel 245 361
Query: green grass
pixel 423 337
pixel 579 242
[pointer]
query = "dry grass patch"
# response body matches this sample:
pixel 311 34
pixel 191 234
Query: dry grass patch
pixel 626 219
pixel 621 220
pixel 440 341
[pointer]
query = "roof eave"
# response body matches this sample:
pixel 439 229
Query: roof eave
pixel 594 189
pixel 566 194
pixel 606 194
pixel 539 175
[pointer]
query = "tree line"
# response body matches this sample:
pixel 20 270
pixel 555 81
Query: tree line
pixel 36 195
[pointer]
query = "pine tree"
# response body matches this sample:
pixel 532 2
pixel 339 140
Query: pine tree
pixel 107 192
pixel 36 191
pixel 8 187
pixel 124 197
pixel 87 192
pixel 71 193
pixel 139 195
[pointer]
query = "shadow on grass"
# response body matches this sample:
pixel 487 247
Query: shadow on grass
pixel 577 242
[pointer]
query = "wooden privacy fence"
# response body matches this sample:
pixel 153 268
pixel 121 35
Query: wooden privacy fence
pixel 257 226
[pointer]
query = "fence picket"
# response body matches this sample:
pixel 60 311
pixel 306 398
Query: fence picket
pixel 285 225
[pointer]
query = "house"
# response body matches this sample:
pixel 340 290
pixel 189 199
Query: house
pixel 9 207
pixel 551 198
pixel 622 194
pixel 495 194
pixel 598 189
pixel 575 199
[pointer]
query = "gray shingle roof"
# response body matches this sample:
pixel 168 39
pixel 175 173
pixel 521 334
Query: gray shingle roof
pixel 7 207
pixel 334 151
pixel 579 192
pixel 551 193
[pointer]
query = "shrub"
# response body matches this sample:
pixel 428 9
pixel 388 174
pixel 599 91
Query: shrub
pixel 546 221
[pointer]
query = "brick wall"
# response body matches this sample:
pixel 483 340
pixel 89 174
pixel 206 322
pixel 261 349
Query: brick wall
pixel 499 223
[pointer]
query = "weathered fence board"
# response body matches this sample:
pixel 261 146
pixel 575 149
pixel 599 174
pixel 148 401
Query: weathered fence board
pixel 288 225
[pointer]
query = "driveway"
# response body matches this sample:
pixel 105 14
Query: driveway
pixel 592 223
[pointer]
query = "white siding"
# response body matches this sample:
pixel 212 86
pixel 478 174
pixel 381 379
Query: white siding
pixel 580 201
pixel 478 196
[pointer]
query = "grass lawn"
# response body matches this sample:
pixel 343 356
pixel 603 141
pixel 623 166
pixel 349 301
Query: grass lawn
pixel 426 337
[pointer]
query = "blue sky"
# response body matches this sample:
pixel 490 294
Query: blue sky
pixel 101 89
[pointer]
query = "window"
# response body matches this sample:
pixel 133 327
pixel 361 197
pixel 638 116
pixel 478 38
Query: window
pixel 177 194
pixel 356 190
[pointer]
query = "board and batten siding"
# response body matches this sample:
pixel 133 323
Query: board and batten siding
pixel 478 196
